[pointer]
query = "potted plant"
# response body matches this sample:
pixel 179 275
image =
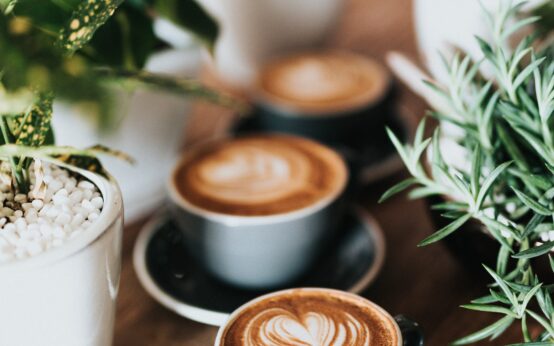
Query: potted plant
pixel 505 133
pixel 60 212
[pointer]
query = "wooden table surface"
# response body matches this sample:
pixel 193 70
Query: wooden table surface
pixel 428 285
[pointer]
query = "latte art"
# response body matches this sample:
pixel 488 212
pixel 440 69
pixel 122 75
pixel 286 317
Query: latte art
pixel 320 83
pixel 260 175
pixel 281 327
pixel 311 317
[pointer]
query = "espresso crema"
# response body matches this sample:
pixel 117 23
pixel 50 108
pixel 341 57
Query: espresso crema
pixel 311 317
pixel 323 83
pixel 260 175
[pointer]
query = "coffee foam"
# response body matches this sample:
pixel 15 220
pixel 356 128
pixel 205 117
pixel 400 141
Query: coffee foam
pixel 323 83
pixel 311 317
pixel 260 175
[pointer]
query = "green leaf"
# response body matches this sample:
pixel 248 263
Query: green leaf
pixel 536 251
pixel 489 181
pixel 485 332
pixel 403 185
pixel 85 20
pixel 125 41
pixel 531 203
pixel 490 308
pixel 190 16
pixel 528 298
pixel 34 127
pixel 503 286
pixel 445 231
pixel 476 166
pixel 532 224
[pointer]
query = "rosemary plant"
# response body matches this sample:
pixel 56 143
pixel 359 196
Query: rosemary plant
pixel 505 124
pixel 79 50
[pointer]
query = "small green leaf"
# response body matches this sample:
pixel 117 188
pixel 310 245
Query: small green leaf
pixel 445 231
pixel 490 308
pixel 489 181
pixel 531 203
pixel 485 332
pixel 403 185
pixel 89 16
pixel 536 251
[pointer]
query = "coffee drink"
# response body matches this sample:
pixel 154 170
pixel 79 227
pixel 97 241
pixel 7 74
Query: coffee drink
pixel 260 175
pixel 323 83
pixel 319 317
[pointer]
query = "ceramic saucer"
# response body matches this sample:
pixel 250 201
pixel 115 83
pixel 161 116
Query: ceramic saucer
pixel 172 277
pixel 370 157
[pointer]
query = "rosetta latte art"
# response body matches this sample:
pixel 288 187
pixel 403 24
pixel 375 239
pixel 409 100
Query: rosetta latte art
pixel 261 175
pixel 277 326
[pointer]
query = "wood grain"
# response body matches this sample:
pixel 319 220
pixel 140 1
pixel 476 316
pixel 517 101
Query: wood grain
pixel 428 285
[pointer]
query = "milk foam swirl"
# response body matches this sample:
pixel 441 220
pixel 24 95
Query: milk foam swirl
pixel 311 317
pixel 323 82
pixel 281 327
pixel 261 175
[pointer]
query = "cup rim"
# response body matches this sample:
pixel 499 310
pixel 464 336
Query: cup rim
pixel 231 219
pixel 350 295
pixel 109 215
pixel 287 109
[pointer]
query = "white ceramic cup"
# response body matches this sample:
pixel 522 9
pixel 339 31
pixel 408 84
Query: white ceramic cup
pixel 253 31
pixel 257 251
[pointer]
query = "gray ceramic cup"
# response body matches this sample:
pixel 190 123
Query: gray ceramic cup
pixel 257 252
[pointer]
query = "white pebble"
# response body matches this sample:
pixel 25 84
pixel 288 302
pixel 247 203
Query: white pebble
pixel 85 184
pixel 37 204
pixel 97 202
pixel 67 208
pixel 87 205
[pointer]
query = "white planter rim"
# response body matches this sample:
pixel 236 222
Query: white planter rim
pixel 112 209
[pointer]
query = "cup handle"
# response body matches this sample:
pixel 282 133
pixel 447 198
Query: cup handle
pixel 412 334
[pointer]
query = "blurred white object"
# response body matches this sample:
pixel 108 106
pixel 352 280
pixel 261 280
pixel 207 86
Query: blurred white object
pixel 151 131
pixel 172 34
pixel 253 31
pixel 440 25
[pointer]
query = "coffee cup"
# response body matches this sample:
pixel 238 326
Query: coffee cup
pixel 330 96
pixel 256 210
pixel 315 316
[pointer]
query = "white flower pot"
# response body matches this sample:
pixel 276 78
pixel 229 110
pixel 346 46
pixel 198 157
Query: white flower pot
pixel 253 31
pixel 66 296
pixel 151 132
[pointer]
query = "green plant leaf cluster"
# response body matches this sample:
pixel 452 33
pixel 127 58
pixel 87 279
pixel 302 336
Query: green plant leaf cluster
pixel 80 51
pixel 505 121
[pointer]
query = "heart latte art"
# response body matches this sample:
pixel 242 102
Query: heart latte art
pixel 307 318
pixel 260 175
pixel 281 327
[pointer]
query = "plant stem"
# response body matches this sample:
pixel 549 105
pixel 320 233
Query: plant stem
pixel 17 172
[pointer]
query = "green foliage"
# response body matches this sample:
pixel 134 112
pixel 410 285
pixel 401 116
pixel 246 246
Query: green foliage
pixel 507 127
pixel 77 50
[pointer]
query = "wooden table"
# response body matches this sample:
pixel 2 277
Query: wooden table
pixel 428 285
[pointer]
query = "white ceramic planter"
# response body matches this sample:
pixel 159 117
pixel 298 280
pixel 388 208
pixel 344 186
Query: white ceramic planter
pixel 253 31
pixel 66 296
pixel 151 132
pixel 439 25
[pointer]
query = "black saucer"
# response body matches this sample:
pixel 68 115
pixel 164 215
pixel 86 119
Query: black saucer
pixel 173 278
pixel 370 155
